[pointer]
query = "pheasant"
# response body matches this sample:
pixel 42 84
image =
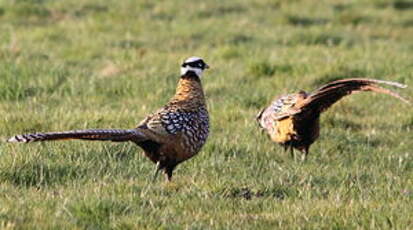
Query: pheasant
pixel 293 120
pixel 168 137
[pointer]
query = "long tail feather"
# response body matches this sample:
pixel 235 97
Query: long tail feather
pixel 321 99
pixel 90 134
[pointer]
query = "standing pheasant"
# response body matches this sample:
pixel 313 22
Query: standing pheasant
pixel 293 120
pixel 171 135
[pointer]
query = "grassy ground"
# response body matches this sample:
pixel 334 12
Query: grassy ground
pixel 106 64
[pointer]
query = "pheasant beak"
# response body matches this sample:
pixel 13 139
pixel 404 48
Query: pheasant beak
pixel 206 66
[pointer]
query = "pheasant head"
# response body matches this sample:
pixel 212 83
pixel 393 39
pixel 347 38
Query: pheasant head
pixel 189 89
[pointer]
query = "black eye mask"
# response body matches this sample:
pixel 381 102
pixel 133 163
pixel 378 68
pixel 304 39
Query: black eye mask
pixel 196 64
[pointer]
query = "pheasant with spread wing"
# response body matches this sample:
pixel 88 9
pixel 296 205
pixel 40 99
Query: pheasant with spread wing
pixel 293 120
pixel 171 135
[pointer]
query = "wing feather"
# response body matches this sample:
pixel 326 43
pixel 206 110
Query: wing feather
pixel 324 97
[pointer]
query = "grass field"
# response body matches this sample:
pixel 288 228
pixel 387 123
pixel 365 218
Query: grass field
pixel 106 64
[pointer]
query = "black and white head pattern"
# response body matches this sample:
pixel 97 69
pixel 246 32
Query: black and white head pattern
pixel 194 64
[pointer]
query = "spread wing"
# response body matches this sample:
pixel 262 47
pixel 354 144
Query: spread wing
pixel 321 99
pixel 324 97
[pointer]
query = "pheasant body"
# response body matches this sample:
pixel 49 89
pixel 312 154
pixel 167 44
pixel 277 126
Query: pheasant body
pixel 293 120
pixel 171 135
pixel 181 127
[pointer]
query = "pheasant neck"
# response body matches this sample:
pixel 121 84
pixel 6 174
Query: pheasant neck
pixel 189 89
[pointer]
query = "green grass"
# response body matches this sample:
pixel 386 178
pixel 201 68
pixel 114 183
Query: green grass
pixel 106 64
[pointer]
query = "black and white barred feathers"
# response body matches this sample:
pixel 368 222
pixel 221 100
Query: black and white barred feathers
pixel 91 134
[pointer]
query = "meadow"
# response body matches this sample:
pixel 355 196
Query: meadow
pixel 107 64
